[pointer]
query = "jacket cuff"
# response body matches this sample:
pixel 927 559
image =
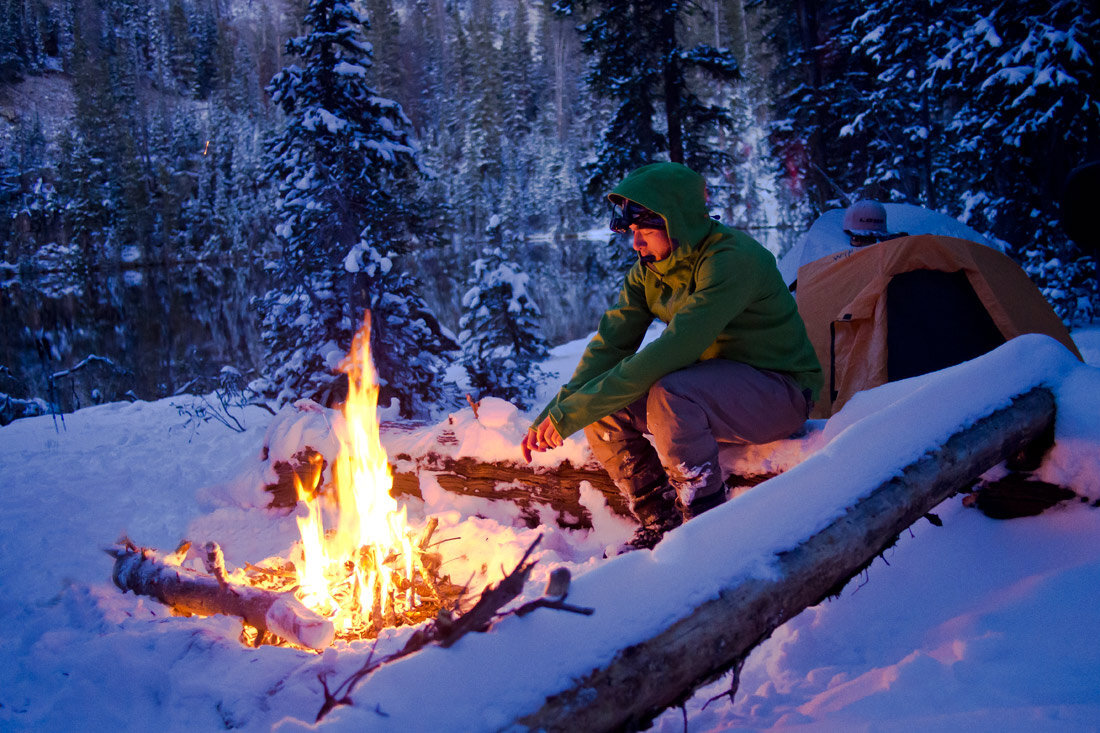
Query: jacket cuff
pixel 561 424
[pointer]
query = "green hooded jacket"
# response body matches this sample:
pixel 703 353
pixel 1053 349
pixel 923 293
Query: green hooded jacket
pixel 720 293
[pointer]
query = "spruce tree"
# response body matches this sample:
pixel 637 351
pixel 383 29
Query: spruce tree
pixel 502 343
pixel 344 168
pixel 812 96
pixel 893 124
pixel 655 81
pixel 1024 93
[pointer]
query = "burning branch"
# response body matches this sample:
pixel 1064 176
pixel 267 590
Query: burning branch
pixel 187 591
pixel 492 600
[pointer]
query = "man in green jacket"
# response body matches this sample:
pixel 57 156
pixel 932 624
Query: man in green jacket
pixel 733 363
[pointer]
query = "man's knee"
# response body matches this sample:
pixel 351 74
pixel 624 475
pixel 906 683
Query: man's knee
pixel 600 438
pixel 672 407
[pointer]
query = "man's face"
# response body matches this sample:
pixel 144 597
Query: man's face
pixel 651 244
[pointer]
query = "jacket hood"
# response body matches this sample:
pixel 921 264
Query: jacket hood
pixel 678 194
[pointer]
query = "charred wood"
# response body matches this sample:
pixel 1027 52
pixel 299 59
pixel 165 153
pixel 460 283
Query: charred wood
pixel 448 628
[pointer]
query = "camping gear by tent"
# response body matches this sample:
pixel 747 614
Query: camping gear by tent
pixel 826 235
pixel 912 305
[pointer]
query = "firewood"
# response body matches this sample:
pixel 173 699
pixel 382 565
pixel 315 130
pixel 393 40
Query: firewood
pixel 447 629
pixel 187 591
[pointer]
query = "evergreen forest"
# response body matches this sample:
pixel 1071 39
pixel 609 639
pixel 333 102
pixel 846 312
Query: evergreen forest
pixel 202 195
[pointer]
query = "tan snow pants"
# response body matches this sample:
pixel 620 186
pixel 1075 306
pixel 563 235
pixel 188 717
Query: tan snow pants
pixel 688 412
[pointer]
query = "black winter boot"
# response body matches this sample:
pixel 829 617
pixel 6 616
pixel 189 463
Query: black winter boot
pixel 658 513
pixel 702 504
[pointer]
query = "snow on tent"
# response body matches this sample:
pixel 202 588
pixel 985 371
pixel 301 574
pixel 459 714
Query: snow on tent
pixel 939 295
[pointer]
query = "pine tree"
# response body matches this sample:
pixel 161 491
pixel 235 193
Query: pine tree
pixel 893 126
pixel 641 63
pixel 1024 90
pixel 502 343
pixel 344 168
pixel 25 26
pixel 180 47
pixel 408 344
pixel 386 74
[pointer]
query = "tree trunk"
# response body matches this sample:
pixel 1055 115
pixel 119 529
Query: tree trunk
pixel 188 591
pixel 673 87
pixel 525 486
pixel 646 678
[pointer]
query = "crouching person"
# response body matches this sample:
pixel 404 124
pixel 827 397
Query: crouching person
pixel 733 363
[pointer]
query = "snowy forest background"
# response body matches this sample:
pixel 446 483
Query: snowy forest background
pixel 200 194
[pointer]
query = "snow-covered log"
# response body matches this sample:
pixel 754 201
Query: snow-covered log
pixel 146 572
pixel 525 486
pixel 647 677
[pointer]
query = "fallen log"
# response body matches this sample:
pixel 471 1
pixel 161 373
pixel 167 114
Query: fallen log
pixel 528 487
pixel 525 486
pixel 188 591
pixel 646 678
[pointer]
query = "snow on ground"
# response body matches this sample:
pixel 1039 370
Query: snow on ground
pixel 979 624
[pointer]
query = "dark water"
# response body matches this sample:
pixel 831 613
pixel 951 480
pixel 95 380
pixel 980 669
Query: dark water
pixel 80 338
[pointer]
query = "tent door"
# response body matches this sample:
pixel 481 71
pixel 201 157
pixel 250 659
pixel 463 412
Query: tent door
pixel 934 320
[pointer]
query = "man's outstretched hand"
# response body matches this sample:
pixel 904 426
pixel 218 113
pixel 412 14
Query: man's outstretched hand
pixel 542 437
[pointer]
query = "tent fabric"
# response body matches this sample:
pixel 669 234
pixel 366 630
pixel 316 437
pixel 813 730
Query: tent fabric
pixel 843 300
pixel 826 235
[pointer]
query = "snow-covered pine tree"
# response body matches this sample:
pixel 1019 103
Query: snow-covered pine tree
pixel 344 166
pixel 893 126
pixel 1024 91
pixel 408 344
pixel 641 63
pixel 502 343
pixel 746 191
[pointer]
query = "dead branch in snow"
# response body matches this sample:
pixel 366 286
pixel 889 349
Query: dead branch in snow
pixel 187 591
pixel 447 630
pixel 648 677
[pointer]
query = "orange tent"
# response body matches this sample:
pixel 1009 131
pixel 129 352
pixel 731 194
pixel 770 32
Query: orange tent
pixel 912 305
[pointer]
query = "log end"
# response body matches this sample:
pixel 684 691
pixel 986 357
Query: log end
pixel 292 621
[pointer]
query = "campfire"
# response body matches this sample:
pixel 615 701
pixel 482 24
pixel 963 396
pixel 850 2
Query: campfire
pixel 364 569
pixel 359 567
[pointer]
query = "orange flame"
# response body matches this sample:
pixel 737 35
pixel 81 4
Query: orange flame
pixel 371 530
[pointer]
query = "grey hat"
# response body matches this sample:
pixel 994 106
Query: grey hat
pixel 865 218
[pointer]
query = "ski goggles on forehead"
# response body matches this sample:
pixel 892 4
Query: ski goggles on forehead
pixel 631 213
